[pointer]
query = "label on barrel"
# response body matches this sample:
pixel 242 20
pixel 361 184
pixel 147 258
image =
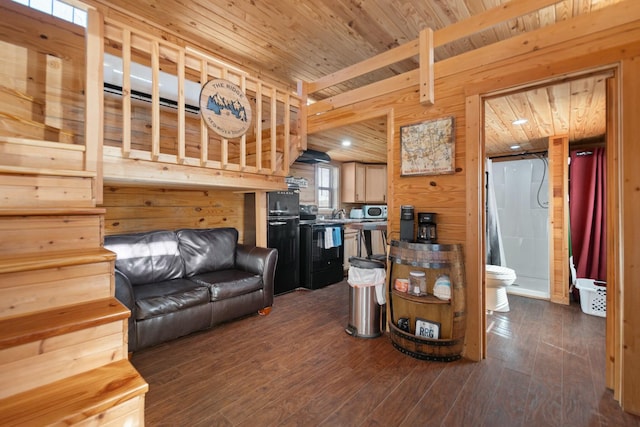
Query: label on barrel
pixel 427 329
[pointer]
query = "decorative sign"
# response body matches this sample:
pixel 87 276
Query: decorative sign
pixel 225 108
pixel 427 148
pixel 427 329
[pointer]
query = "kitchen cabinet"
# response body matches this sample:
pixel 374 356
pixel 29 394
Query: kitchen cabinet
pixel 364 183
pixel 375 188
pixel 427 327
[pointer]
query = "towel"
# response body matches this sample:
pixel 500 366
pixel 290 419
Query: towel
pixel 328 238
pixel 337 236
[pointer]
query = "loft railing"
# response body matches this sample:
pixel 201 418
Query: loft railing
pixel 148 127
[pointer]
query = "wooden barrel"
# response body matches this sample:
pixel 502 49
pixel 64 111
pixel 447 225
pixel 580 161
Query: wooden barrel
pixel 405 309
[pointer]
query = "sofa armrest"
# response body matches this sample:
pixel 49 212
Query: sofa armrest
pixel 262 261
pixel 124 294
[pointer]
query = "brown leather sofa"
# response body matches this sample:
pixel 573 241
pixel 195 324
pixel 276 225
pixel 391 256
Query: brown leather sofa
pixel 178 282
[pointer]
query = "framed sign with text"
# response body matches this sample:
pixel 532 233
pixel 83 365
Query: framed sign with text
pixel 225 108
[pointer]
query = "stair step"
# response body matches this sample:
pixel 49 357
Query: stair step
pixel 38 261
pixel 43 347
pixel 25 170
pixel 38 282
pixel 50 323
pixel 77 398
pixel 52 211
pixel 32 187
pixel 40 233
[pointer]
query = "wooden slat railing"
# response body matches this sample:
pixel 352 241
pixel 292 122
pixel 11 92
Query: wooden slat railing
pixel 195 144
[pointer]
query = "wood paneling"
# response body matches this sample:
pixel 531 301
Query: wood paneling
pixel 576 108
pixel 628 288
pixel 587 43
pixel 339 35
pixel 24 233
pixel 136 209
pixel 108 389
pixel 53 287
pixel 559 219
pixel 61 328
pixel 42 75
pixel 614 250
pixel 307 171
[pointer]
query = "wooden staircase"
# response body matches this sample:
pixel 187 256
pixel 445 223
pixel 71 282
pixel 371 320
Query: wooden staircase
pixel 63 335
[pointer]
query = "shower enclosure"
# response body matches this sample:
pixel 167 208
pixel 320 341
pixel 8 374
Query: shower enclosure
pixel 521 192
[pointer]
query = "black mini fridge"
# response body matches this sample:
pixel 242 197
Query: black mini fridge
pixel 283 225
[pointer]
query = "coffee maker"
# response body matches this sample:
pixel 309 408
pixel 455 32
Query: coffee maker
pixel 427 232
pixel 406 223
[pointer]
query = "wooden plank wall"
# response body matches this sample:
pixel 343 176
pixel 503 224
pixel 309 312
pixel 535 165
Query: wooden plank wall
pixel 594 41
pixel 630 205
pixel 303 170
pixel 29 108
pixel 138 209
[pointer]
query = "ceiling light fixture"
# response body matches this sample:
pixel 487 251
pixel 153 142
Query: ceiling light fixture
pixel 346 143
pixel 515 147
pixel 519 121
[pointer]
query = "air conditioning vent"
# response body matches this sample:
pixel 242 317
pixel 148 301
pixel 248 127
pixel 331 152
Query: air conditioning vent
pixel 141 84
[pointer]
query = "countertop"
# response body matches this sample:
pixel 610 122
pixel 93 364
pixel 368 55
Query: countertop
pixel 358 224
pixel 368 225
pixel 348 221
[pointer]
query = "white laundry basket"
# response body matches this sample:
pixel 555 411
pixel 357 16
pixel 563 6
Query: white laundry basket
pixel 593 297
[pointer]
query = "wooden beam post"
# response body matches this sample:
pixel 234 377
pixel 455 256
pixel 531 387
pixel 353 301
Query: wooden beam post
pixel 559 219
pixel 94 100
pixel 427 95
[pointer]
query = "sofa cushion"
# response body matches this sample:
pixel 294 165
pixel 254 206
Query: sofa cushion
pixel 206 250
pixel 156 299
pixel 147 257
pixel 229 283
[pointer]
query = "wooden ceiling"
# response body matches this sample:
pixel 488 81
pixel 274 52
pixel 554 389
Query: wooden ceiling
pixel 290 40
pixel 576 108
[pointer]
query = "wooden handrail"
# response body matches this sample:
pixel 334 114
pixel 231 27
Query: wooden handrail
pixel 271 104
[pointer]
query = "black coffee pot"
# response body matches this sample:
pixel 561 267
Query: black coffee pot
pixel 427 231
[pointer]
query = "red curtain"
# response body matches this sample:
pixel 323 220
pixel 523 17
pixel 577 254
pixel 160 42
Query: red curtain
pixel 587 174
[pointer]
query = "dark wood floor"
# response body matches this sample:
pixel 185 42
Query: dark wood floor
pixel 297 367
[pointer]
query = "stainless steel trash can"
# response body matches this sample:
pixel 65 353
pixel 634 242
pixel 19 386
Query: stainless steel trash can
pixel 364 310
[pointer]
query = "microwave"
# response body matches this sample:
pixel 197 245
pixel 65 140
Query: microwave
pixel 375 211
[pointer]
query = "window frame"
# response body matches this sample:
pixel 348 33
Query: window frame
pixel 332 188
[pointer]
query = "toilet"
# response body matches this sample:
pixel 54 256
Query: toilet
pixel 497 279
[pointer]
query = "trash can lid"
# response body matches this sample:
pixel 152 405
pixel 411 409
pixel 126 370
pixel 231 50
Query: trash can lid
pixel 360 262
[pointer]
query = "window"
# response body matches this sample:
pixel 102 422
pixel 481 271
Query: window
pixel 326 185
pixel 58 9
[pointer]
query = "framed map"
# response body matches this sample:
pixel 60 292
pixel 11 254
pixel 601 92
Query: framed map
pixel 427 148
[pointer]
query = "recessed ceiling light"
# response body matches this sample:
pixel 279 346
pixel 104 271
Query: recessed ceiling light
pixel 515 147
pixel 346 143
pixel 519 122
